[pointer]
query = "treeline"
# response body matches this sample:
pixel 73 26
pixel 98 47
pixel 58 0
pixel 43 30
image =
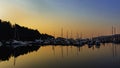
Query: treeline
pixel 9 32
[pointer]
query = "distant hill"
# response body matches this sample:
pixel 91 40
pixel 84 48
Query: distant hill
pixel 9 32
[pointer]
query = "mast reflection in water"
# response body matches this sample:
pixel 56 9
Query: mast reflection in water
pixel 101 56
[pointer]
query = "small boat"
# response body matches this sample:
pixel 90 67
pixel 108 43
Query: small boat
pixel 97 43
pixel 16 43
pixel 90 44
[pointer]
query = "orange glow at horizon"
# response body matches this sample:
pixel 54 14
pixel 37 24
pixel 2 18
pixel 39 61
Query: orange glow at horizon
pixel 52 23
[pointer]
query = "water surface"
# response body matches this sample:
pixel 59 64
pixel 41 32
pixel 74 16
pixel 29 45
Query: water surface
pixel 104 56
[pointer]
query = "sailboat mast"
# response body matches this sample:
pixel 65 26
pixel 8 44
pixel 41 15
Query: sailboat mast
pixel 81 36
pixel 67 34
pixel 54 34
pixel 15 33
pixel 77 37
pixel 62 32
pixel 114 30
pixel 71 33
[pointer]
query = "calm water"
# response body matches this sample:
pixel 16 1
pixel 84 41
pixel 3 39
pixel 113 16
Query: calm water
pixel 104 56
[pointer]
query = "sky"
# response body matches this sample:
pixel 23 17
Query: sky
pixel 86 17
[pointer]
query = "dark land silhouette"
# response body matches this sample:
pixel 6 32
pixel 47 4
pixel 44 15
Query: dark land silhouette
pixel 7 32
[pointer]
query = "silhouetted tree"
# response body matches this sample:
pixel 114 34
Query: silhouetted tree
pixel 9 32
pixel 5 30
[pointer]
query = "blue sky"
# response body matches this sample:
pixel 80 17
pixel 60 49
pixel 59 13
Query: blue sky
pixel 77 15
pixel 108 9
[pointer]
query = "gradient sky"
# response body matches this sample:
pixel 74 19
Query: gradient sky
pixel 90 17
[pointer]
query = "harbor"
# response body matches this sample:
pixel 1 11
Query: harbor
pixel 59 33
pixel 115 39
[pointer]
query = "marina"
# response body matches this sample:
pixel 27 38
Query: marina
pixel 59 33
pixel 115 39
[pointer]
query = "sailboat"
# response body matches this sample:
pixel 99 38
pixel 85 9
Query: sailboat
pixel 97 42
pixel 15 43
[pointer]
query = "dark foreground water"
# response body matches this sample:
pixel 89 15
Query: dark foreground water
pixel 104 56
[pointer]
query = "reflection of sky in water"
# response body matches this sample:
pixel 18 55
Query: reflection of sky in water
pixel 107 56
